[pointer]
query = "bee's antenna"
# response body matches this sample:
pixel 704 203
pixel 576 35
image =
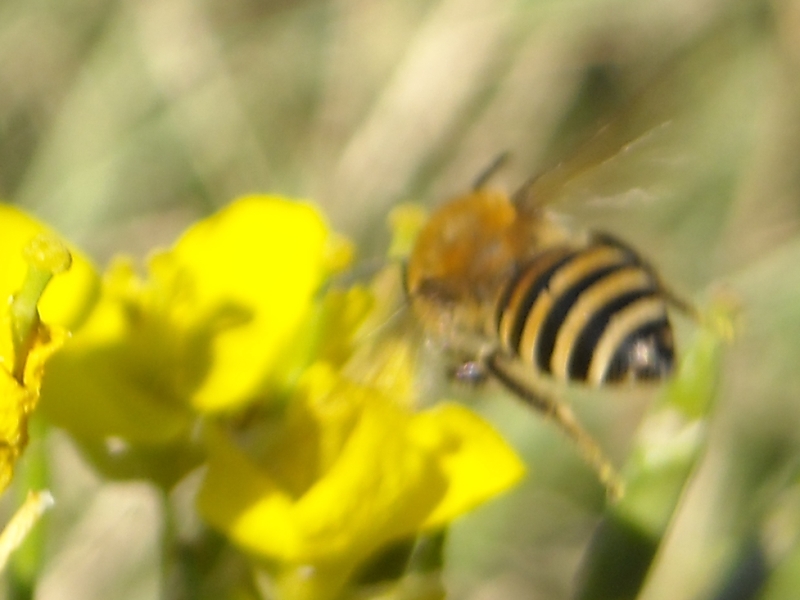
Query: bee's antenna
pixel 498 163
pixel 525 197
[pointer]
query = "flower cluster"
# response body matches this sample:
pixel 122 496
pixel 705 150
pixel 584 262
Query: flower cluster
pixel 236 349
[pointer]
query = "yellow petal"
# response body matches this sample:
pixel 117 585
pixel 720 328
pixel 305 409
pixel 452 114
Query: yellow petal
pixel 15 404
pixel 477 461
pixel 380 488
pixel 97 388
pixel 17 400
pixel 360 502
pixel 210 328
pixel 394 475
pixel 266 256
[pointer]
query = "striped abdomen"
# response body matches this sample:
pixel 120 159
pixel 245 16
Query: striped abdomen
pixel 592 314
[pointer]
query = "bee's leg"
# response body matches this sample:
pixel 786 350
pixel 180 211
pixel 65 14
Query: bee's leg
pixel 556 409
pixel 718 318
pixel 680 303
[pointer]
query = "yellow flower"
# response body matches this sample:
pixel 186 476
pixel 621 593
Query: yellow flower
pixel 26 343
pixel 30 257
pixel 352 469
pixel 214 325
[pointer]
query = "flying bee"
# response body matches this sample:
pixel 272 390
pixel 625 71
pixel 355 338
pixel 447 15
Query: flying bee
pixel 520 298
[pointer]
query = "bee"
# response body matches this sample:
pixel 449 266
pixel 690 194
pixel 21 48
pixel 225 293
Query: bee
pixel 520 298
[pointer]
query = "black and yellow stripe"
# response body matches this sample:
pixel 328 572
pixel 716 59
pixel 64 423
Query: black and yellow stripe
pixel 594 314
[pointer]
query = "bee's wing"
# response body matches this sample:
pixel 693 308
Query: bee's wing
pixel 391 351
pixel 652 121
pixel 603 149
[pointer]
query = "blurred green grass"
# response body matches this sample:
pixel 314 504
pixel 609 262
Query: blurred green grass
pixel 123 121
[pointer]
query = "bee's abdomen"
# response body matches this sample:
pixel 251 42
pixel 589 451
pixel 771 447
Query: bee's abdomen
pixel 591 314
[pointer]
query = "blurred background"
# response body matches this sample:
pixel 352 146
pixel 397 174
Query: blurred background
pixel 123 121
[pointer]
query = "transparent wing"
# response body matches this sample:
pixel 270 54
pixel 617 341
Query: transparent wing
pixel 647 136
pixel 392 352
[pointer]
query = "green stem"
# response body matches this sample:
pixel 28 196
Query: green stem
pixel 46 256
